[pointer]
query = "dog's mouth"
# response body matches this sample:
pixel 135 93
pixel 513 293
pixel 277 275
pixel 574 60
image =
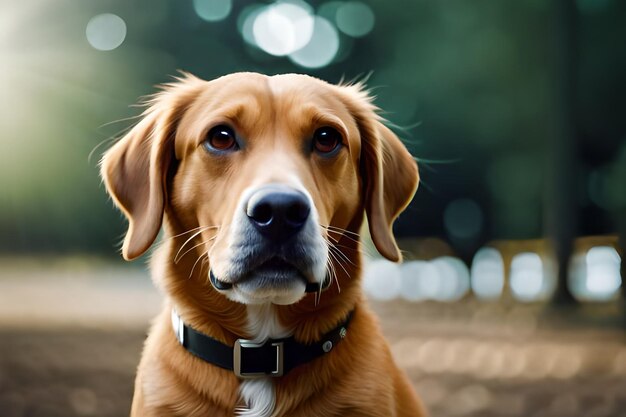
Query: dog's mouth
pixel 277 266
pixel 274 273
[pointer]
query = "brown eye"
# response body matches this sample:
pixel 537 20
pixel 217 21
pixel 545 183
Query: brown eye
pixel 326 140
pixel 221 139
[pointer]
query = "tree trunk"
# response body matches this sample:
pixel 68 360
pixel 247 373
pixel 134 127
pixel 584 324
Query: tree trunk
pixel 622 252
pixel 561 204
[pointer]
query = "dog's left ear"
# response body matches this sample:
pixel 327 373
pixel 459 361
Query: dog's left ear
pixel 389 172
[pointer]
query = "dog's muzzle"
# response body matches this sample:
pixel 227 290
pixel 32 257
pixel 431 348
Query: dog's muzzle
pixel 277 244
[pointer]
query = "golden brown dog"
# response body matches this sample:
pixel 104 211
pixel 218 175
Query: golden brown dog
pixel 261 185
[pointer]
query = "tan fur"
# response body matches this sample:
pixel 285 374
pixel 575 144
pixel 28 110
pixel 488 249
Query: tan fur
pixel 159 175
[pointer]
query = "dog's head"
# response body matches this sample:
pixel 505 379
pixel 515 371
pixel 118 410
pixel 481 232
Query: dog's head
pixel 260 176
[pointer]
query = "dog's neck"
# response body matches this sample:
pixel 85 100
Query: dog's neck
pixel 262 323
pixel 259 395
pixel 206 310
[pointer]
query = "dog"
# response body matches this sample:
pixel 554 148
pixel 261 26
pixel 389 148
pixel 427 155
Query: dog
pixel 261 185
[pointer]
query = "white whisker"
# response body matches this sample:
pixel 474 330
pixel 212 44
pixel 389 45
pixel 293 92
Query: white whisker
pixel 195 263
pixel 344 234
pixel 342 231
pixel 335 257
pixel 334 272
pixel 343 255
pixel 204 242
pixel 331 260
pixel 191 230
pixel 176 259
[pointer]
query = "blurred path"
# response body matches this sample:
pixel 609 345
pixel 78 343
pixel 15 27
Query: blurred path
pixel 71 334
pixel 76 292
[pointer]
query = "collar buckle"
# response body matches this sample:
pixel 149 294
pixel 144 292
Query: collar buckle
pixel 179 327
pixel 241 345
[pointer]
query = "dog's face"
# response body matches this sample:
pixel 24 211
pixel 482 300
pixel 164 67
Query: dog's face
pixel 260 175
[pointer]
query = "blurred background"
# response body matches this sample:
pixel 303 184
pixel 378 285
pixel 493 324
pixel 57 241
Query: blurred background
pixel 511 301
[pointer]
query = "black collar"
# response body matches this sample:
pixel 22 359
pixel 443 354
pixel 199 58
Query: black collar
pixel 248 359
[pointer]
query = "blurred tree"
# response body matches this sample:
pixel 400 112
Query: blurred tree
pixel 563 177
pixel 475 82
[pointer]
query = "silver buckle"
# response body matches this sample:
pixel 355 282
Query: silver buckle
pixel 179 327
pixel 248 344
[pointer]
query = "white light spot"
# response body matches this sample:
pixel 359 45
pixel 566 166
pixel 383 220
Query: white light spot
pixel 414 279
pixel 322 47
pixel 487 274
pixel 213 10
pixel 430 281
pixel 106 31
pixel 382 280
pixel 603 273
pixel 245 22
pixel 283 27
pixel 454 278
pixel 577 276
pixel 355 19
pixel 463 219
pixel 527 277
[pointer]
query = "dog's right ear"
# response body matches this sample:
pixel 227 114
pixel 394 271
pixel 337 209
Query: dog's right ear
pixel 135 169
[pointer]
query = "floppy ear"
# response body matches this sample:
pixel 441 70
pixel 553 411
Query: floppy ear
pixel 135 169
pixel 389 172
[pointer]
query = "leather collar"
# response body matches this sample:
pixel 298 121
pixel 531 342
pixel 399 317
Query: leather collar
pixel 249 359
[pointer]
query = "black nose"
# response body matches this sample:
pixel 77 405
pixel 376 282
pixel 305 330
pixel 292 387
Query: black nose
pixel 278 211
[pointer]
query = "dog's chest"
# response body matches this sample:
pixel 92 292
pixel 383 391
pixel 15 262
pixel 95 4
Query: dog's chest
pixel 259 395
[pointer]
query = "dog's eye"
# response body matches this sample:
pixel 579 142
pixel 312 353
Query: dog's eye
pixel 326 140
pixel 221 138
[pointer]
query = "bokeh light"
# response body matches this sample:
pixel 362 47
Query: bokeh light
pixel 595 274
pixel 410 280
pixel 470 399
pixel 106 31
pixel 290 28
pixel 381 280
pixel 603 271
pixel 487 274
pixel 442 279
pixel 431 282
pixel 527 278
pixel 419 280
pixel 245 22
pixel 283 27
pixel 454 278
pixel 355 19
pixel 322 47
pixel 329 9
pixel 463 219
pixel 213 10
pixel 602 278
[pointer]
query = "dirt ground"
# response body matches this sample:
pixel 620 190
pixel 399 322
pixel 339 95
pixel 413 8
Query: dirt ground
pixel 465 359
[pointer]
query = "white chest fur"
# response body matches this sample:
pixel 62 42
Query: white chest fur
pixel 258 394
